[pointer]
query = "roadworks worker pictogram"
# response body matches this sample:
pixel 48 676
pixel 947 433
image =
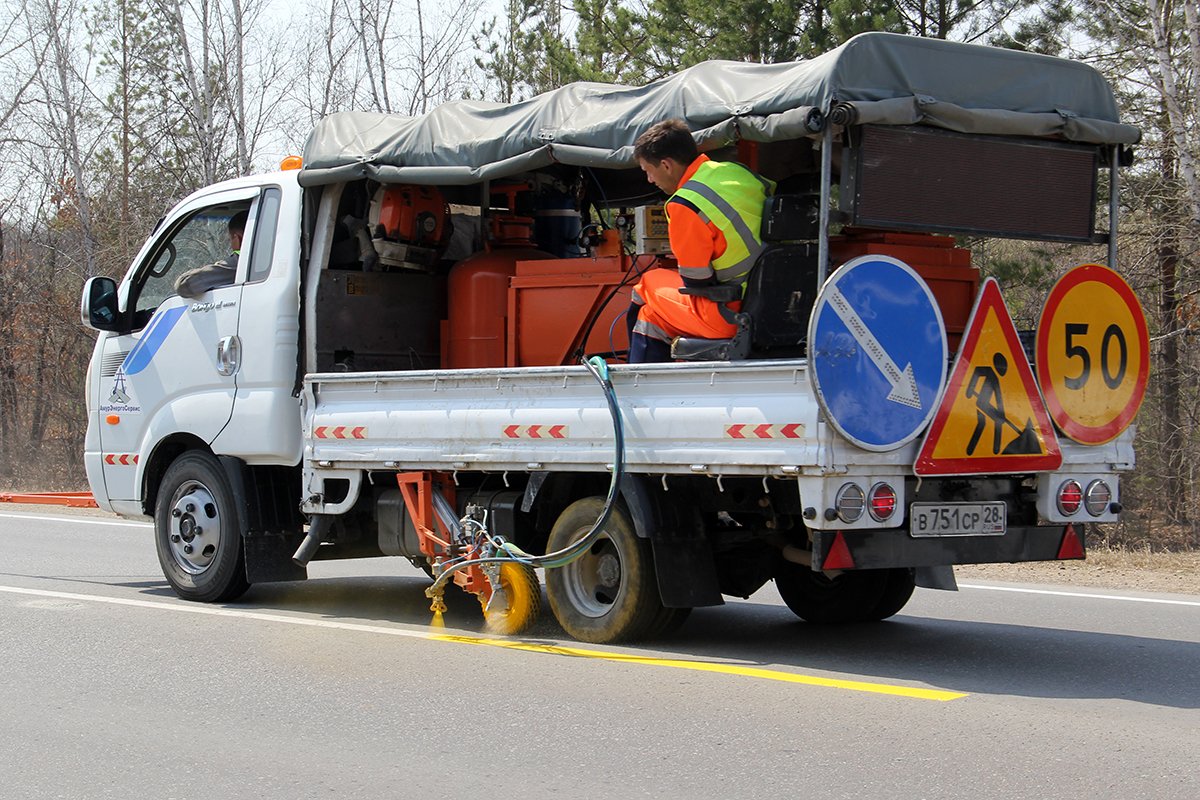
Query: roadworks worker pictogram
pixel 991 418
pixel 989 400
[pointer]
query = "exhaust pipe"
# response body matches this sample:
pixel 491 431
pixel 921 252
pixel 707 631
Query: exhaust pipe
pixel 317 529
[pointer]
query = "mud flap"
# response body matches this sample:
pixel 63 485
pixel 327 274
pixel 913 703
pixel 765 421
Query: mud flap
pixel 268 509
pixel 687 576
pixel 269 557
pixel 941 577
pixel 683 558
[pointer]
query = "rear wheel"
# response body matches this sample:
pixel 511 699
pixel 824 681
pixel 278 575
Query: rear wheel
pixel 854 596
pixel 609 593
pixel 900 586
pixel 196 531
pixel 669 621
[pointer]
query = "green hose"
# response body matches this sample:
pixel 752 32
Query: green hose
pixel 599 369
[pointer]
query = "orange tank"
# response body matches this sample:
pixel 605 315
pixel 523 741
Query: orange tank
pixel 476 331
pixel 940 263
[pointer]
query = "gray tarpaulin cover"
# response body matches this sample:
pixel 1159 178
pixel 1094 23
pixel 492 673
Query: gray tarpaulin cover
pixel 879 78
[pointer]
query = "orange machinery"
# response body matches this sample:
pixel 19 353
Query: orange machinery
pixel 946 268
pixel 515 306
pixel 553 301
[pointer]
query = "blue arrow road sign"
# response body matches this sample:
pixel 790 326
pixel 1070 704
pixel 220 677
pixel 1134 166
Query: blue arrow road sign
pixel 877 352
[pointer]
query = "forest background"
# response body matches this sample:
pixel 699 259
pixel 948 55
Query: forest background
pixel 113 110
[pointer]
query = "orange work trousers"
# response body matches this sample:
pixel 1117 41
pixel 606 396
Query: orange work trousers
pixel 666 313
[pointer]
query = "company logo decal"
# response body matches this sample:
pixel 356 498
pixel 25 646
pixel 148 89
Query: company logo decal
pixel 159 329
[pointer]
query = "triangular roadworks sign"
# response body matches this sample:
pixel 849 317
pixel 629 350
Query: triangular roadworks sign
pixel 992 418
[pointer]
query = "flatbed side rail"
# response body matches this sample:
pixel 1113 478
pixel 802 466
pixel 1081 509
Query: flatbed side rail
pixel 751 418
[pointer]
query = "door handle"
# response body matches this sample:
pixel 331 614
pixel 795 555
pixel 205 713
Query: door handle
pixel 229 355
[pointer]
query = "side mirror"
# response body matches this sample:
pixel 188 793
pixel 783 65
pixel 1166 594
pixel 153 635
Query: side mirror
pixel 98 308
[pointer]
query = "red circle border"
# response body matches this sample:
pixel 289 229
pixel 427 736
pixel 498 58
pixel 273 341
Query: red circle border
pixel 1087 434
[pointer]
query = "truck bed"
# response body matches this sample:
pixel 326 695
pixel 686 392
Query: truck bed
pixel 749 418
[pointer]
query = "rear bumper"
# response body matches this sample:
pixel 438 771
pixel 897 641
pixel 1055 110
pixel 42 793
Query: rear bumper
pixel 895 548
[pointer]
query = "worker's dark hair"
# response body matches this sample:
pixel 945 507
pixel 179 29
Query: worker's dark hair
pixel 667 139
pixel 238 221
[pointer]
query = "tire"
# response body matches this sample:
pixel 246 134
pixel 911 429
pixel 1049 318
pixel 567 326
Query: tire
pixel 669 621
pixel 849 597
pixel 900 585
pixel 524 601
pixel 610 593
pixel 196 531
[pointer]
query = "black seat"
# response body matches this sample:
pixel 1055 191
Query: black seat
pixel 773 321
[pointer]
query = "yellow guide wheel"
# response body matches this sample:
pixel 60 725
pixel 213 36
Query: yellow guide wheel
pixel 514 606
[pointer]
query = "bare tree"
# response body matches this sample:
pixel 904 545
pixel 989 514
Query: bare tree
pixel 439 55
pixel 64 99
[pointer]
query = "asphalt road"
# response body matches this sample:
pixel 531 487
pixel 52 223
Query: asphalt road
pixel 110 687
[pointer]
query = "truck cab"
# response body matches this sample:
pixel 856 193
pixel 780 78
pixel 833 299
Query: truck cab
pixel 171 373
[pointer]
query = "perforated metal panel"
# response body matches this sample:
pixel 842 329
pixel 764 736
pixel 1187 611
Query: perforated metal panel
pixel 922 179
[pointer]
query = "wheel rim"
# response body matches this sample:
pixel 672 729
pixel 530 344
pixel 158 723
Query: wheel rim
pixel 594 581
pixel 194 530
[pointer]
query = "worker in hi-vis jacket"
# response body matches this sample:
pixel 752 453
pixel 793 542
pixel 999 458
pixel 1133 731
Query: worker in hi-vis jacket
pixel 714 213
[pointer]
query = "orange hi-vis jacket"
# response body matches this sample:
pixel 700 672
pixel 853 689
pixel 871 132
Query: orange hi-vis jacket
pixel 714 219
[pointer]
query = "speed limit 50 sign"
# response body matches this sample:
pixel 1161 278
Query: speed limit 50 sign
pixel 1093 354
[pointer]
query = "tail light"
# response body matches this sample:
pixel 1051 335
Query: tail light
pixel 850 502
pixel 881 502
pixel 1097 498
pixel 1070 497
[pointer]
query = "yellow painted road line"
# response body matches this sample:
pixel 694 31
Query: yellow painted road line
pixel 709 666
pixel 510 644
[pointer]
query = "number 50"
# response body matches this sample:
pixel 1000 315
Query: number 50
pixel 1073 350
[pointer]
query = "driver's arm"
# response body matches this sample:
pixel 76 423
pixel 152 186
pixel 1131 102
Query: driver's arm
pixel 196 282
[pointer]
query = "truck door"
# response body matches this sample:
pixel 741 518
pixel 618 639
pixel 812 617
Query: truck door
pixel 265 427
pixel 165 375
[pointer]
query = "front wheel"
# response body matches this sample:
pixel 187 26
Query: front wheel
pixel 196 531
pixel 610 593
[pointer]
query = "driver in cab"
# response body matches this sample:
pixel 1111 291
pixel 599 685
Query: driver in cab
pixel 196 282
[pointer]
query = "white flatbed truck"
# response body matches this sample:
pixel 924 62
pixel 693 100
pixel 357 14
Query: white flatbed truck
pixel 328 404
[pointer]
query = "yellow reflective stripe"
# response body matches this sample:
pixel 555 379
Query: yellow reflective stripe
pixel 731 198
pixel 735 220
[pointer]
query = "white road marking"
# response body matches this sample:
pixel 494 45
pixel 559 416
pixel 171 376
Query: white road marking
pixel 83 520
pixel 214 611
pixel 1160 600
pixel 719 667
pixel 1017 589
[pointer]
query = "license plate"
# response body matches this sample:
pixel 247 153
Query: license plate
pixel 957 519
